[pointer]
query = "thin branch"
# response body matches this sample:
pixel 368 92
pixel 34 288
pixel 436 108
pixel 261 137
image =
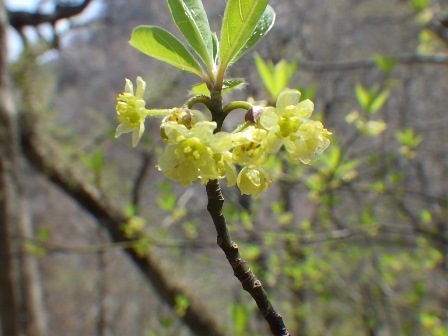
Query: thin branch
pixel 241 270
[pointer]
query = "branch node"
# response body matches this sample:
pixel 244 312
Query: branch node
pixel 257 284
pixel 247 280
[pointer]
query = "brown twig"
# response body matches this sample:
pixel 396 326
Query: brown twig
pixel 241 270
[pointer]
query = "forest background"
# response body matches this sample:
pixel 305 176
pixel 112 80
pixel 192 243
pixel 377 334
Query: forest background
pixel 94 241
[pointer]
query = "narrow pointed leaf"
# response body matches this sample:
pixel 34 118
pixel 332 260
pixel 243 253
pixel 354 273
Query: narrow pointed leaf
pixel 233 83
pixel 191 19
pixel 200 89
pixel 282 75
pixel 160 44
pixel 215 43
pixel 263 27
pixel 240 19
pixel 266 75
pixel 379 101
pixel 363 96
pixel 229 85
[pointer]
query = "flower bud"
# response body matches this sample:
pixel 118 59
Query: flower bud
pixel 253 181
pixel 254 114
pixel 180 116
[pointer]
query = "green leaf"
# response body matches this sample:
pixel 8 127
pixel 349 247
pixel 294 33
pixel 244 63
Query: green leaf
pixel 167 202
pixel 275 78
pixel 94 160
pixel 160 44
pixel 333 157
pixel 266 74
pixel 200 89
pixel 43 234
pixel 191 19
pixel 233 83
pixel 283 72
pixel 240 19
pixel 308 92
pixel 229 85
pixel 378 101
pixel 385 63
pixel 263 27
pixel 409 138
pixel 215 43
pixel 420 5
pixel 363 96
pixel 240 317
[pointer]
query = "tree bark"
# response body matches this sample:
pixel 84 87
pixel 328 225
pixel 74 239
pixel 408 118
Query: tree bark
pixel 21 309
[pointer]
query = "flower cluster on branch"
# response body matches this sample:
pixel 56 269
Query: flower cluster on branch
pixel 195 150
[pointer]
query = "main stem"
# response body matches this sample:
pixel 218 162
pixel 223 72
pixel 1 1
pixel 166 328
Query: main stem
pixel 241 269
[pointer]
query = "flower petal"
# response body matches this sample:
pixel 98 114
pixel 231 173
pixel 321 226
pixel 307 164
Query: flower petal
pixel 288 97
pixel 141 86
pixel 129 87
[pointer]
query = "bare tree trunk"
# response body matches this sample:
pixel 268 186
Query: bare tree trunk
pixel 21 309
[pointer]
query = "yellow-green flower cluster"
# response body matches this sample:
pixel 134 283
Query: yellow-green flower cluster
pixel 194 151
pixel 288 124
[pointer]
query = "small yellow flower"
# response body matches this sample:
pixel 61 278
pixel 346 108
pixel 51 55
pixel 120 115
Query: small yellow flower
pixel 253 181
pixel 288 124
pixel 196 153
pixel 131 111
pixel 249 147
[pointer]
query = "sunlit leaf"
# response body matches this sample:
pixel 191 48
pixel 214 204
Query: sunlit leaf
pixel 229 85
pixel 240 317
pixel 191 19
pixel 160 44
pixel 362 95
pixel 215 43
pixel 265 73
pixel 385 63
pixel 263 27
pixel 378 102
pixel 420 4
pixel 240 19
